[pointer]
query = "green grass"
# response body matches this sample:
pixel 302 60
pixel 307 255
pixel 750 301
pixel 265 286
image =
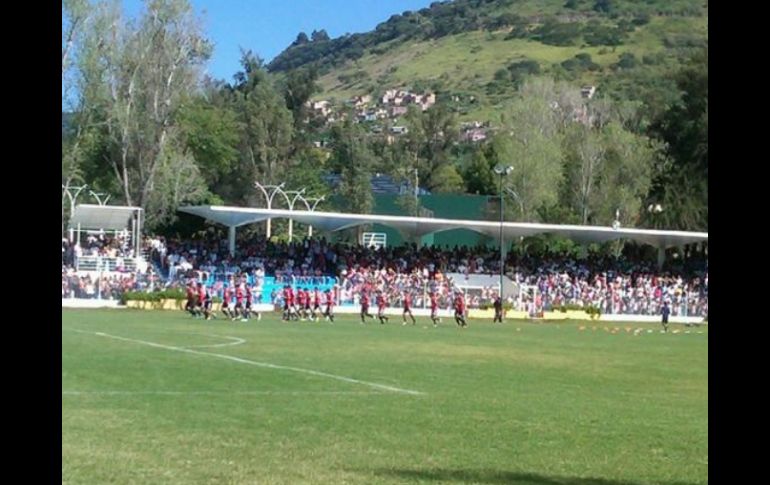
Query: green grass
pixel 521 403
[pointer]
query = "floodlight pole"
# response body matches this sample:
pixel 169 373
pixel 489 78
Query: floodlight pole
pixel 655 210
pixel 297 196
pixel 269 199
pixel 98 197
pixel 502 172
pixel 311 208
pixel 138 233
pixel 72 198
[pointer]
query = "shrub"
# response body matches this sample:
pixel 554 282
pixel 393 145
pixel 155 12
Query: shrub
pixel 555 33
pixel 155 296
pixel 627 61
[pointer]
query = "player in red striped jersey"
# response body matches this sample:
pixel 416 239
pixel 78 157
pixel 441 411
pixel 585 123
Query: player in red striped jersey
pixel 316 304
pixel 408 308
pixel 381 304
pixel 329 313
pixel 226 302
pixel 365 306
pixel 460 310
pixel 239 294
pixel 434 309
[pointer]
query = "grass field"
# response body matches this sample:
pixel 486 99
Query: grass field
pixel 156 397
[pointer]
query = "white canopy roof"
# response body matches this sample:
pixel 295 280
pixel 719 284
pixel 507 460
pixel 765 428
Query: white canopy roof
pixel 108 217
pixel 420 226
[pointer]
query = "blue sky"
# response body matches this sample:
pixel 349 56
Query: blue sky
pixel 269 26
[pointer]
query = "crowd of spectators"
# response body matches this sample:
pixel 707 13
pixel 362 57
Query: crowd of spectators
pixel 629 283
pixel 107 286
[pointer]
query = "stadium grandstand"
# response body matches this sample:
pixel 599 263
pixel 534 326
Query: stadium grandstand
pixel 103 263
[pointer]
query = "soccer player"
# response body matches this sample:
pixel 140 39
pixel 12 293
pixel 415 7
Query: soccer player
pixel 301 303
pixel 498 310
pixel 293 314
pixel 307 305
pixel 316 304
pixel 408 308
pixel 365 306
pixel 434 309
pixel 252 296
pixel 381 304
pixel 190 305
pixel 226 302
pixel 239 294
pixel 665 312
pixel 207 303
pixel 460 310
pixel 286 303
pixel 201 300
pixel 247 305
pixel 329 313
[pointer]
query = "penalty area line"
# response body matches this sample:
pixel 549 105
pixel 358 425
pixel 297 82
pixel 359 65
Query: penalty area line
pixel 267 365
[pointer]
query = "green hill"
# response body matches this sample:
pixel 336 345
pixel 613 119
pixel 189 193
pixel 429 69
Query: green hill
pixel 475 52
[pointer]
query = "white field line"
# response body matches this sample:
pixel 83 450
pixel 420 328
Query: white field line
pixel 237 341
pixel 258 364
pixel 220 393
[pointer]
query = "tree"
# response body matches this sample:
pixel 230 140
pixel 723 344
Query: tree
pixel 306 171
pixel 479 177
pixel 683 186
pixel 627 61
pixel 609 169
pixel 585 156
pixel 446 179
pixel 135 76
pixel 604 6
pixel 352 157
pixel 530 141
pixel 75 16
pixel 319 35
pixel 83 28
pixel 299 87
pixel 626 175
pixel 301 39
pixel 210 132
pixel 265 128
pixel 564 100
pixel 430 138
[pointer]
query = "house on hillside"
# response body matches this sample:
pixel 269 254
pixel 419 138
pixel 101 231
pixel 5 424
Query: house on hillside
pixel 322 107
pixel 427 100
pixel 474 135
pixel 367 116
pixel 361 101
pixel 389 96
pixel 397 111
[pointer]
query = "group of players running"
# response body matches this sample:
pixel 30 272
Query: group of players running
pixel 236 301
pixel 306 304
pixel 382 303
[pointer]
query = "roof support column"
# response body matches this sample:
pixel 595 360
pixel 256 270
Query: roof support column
pixel 661 257
pixel 231 240
pixel 138 233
